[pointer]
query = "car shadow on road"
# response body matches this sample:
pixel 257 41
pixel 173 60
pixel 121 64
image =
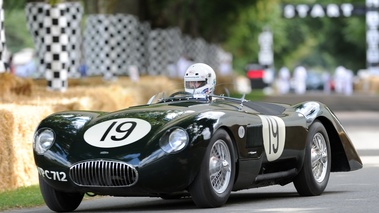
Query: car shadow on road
pixel 157 204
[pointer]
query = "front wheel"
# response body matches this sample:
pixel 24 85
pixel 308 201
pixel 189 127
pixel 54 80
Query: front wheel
pixel 314 175
pixel 214 183
pixel 59 201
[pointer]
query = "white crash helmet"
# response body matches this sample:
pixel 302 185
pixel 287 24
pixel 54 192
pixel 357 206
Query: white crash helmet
pixel 200 78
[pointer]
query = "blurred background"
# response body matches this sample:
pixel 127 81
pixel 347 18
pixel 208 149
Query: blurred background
pixel 253 39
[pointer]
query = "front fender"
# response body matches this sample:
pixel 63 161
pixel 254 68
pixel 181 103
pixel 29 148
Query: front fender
pixel 344 154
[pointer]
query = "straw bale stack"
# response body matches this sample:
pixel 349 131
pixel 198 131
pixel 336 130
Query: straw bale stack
pixel 18 123
pixel 6 149
pixel 9 84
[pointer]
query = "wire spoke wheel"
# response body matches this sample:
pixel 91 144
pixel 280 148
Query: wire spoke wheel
pixel 220 166
pixel 214 182
pixel 319 157
pixel 314 175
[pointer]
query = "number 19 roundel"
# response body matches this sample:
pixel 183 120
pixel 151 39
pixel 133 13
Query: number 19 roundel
pixel 274 135
pixel 117 132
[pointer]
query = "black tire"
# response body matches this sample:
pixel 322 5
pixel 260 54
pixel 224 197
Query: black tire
pixel 205 191
pixel 314 176
pixel 59 201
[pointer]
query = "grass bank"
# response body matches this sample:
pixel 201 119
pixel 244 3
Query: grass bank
pixel 24 197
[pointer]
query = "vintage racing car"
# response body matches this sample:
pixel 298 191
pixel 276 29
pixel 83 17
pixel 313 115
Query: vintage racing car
pixel 185 145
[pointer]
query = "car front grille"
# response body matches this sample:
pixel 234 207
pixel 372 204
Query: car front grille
pixel 103 173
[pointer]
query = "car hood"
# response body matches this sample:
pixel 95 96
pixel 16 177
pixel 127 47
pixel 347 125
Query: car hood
pixel 128 134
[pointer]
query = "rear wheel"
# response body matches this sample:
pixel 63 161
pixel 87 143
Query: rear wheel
pixel 314 176
pixel 59 201
pixel 214 183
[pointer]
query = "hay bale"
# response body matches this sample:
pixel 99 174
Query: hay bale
pixel 11 84
pixel 7 155
pixel 18 123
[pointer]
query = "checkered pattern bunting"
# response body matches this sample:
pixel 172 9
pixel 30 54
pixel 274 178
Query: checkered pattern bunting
pixel 113 43
pixel 110 45
pixel 213 54
pixel 35 16
pixel 34 19
pixel 55 41
pixel 73 14
pixel 158 52
pixel 175 44
pixel 2 38
pixel 141 51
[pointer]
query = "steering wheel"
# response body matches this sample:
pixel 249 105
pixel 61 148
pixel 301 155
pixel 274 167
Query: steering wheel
pixel 180 93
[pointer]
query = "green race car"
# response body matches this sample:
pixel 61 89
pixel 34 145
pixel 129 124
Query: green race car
pixel 188 146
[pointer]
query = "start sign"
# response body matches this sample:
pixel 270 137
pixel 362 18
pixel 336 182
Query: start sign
pixel 317 10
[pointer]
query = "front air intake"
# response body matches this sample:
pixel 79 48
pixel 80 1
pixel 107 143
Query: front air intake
pixel 103 173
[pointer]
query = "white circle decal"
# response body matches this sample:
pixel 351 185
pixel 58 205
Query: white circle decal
pixel 241 132
pixel 117 132
pixel 274 136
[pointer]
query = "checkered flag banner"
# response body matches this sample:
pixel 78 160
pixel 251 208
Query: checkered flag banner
pixel 2 38
pixel 214 56
pixel 73 14
pixel 34 19
pixel 175 44
pixel 158 52
pixel 35 16
pixel 55 41
pixel 110 44
pixel 141 40
pixel 195 48
pixel 165 47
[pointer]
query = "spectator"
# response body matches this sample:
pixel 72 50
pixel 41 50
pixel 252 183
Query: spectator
pixel 300 77
pixel 284 80
pixel 339 78
pixel 348 87
pixel 326 80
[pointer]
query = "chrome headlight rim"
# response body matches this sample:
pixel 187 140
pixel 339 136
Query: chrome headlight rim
pixel 174 140
pixel 44 139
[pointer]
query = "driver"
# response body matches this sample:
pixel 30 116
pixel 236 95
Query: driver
pixel 200 79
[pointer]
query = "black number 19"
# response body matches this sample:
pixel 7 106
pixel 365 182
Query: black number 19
pixel 125 127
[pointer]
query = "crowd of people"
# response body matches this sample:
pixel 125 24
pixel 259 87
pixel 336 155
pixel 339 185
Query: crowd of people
pixel 299 82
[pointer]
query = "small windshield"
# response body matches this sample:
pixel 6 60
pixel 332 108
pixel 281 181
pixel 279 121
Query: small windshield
pixel 176 96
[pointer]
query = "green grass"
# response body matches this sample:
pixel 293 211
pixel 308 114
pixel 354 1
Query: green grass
pixel 23 197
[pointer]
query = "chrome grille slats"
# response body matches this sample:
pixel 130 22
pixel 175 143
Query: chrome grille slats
pixel 103 173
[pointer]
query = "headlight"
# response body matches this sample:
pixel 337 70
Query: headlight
pixel 174 140
pixel 43 140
